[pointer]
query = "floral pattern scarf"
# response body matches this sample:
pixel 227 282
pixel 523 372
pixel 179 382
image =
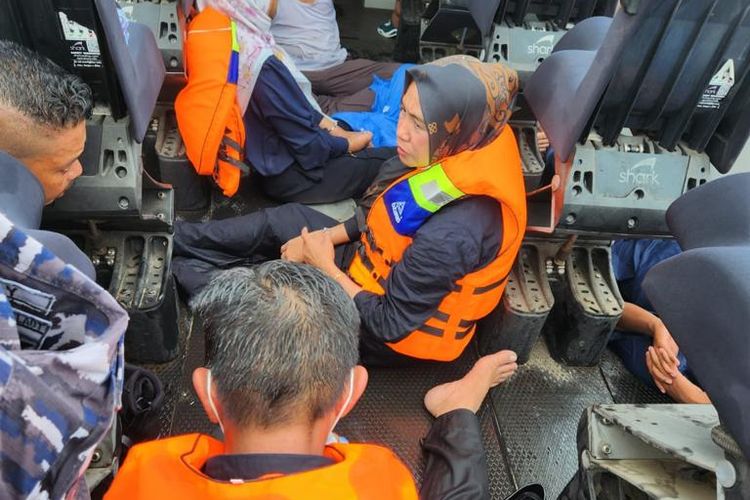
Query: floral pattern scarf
pixel 465 102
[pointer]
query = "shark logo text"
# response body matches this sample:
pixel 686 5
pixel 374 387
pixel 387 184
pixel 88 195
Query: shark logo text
pixel 542 47
pixel 641 174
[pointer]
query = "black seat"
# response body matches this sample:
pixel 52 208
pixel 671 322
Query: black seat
pixel 703 296
pixel 674 70
pixel 120 61
pixel 122 64
pixel 714 215
pixel 561 12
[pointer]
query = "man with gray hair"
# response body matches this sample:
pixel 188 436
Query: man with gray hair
pixel 281 370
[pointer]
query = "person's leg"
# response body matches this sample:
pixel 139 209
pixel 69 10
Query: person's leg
pixel 247 239
pixel 345 177
pixel 203 247
pixel 345 87
pixel 389 29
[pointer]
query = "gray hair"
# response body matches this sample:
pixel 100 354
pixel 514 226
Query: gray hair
pixel 40 89
pixel 281 339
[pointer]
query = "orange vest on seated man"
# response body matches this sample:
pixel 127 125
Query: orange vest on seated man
pixel 208 115
pixel 171 468
pixel 495 171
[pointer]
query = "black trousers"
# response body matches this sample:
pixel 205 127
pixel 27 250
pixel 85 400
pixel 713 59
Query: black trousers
pixel 340 178
pixel 201 248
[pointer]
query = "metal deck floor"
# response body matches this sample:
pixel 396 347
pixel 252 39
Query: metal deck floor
pixel 528 424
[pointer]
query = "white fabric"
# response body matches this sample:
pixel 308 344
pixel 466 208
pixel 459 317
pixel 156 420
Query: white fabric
pixel 309 34
pixel 256 45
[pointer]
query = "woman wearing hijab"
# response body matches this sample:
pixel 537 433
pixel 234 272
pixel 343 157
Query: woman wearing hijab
pixel 439 241
pixel 298 153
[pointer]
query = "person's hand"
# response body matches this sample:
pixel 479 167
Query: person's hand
pixel 663 340
pixel 660 365
pixel 359 141
pixel 317 250
pixel 293 250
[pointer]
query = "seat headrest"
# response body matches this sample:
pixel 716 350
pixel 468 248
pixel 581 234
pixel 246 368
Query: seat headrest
pixel 714 214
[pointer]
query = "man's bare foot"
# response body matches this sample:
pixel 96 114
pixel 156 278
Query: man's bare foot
pixel 469 391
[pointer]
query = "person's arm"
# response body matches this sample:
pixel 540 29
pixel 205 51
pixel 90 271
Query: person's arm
pixel 681 389
pixel 444 250
pixel 637 319
pixel 278 100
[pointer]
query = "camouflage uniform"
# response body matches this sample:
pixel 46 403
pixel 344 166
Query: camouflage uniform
pixel 59 395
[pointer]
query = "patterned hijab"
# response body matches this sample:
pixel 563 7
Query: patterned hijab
pixel 465 102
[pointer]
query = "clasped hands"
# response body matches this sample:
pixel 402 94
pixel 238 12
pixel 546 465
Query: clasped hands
pixel 661 358
pixel 314 248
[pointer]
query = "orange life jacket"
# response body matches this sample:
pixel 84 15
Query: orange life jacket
pixel 208 116
pixel 171 468
pixel 495 171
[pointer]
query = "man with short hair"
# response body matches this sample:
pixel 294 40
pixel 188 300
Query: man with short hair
pixel 43 111
pixel 281 370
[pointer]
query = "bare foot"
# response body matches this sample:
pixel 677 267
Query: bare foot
pixel 469 391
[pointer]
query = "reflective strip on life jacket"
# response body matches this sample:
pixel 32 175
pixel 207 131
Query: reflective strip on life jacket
pixel 414 199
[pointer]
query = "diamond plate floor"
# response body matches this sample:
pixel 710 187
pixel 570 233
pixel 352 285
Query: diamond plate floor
pixel 538 411
pixel 528 425
pixel 391 413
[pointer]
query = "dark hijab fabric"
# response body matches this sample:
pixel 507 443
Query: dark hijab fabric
pixel 465 102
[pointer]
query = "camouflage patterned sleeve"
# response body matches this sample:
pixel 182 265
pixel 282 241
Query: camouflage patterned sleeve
pixel 59 394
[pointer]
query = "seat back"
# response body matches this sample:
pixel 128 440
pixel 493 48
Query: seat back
pixel 715 214
pixel 680 75
pixel 525 32
pixel 561 12
pixel 675 70
pixel 703 296
pixel 564 92
pixel 119 60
